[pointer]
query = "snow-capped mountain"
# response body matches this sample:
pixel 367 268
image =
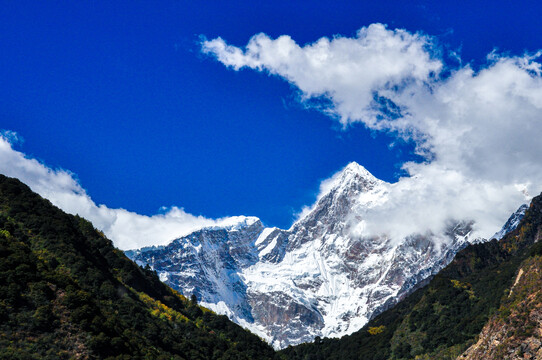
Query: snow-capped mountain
pixel 322 277
pixel 512 222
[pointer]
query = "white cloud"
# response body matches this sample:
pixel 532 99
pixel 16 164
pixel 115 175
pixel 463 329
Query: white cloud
pixel 435 197
pixel 128 230
pixel 346 70
pixel 479 129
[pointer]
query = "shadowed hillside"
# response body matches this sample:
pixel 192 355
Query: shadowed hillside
pixel 66 292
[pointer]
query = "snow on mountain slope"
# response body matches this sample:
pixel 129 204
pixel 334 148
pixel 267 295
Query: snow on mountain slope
pixel 322 277
pixel 207 262
pixel 512 222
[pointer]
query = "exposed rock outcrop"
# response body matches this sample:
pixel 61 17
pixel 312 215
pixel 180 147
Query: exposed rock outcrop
pixel 515 332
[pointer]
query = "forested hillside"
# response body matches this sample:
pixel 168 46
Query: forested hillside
pixel 67 292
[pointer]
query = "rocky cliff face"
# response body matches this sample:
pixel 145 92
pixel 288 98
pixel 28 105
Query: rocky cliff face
pixel 322 277
pixel 207 264
pixel 516 331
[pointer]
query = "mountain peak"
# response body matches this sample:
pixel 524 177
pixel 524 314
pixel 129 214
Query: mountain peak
pixel 342 188
pixel 355 168
pixel 352 175
pixel 354 171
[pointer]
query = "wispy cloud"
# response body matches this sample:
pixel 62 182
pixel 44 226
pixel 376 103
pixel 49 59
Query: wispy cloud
pixel 479 130
pixel 127 229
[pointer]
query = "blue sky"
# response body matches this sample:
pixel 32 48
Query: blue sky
pixel 120 94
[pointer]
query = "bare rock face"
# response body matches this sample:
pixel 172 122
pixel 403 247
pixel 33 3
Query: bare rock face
pixel 322 277
pixel 515 332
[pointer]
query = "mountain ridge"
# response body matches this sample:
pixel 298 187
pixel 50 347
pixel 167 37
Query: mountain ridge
pixel 321 277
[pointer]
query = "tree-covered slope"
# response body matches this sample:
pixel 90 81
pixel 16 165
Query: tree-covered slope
pixel 67 292
pixel 515 331
pixel 441 320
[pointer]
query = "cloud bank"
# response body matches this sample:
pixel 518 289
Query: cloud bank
pixel 127 229
pixel 478 130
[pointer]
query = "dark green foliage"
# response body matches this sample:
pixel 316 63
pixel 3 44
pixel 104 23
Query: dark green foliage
pixel 66 292
pixel 442 319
